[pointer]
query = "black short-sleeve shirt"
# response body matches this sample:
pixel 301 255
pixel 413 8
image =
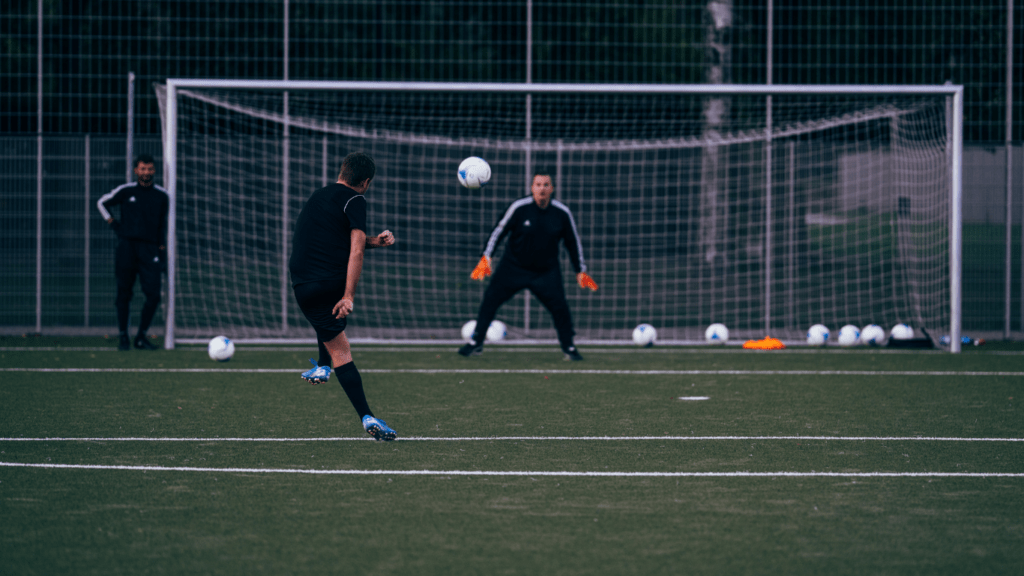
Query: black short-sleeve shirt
pixel 322 240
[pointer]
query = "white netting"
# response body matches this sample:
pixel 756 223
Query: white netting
pixel 672 205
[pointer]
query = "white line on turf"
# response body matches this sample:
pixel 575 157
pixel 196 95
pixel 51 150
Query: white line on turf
pixel 525 473
pixel 524 438
pixel 536 371
pixel 595 349
pixel 693 397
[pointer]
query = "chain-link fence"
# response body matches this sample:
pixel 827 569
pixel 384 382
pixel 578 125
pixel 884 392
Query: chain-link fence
pixel 65 65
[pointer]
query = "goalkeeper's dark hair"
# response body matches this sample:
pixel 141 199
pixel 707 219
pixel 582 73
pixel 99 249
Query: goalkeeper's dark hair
pixel 544 171
pixel 356 168
pixel 142 159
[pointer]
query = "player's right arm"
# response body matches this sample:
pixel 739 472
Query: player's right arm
pixel 501 229
pixel 382 240
pixel 345 306
pixel 112 198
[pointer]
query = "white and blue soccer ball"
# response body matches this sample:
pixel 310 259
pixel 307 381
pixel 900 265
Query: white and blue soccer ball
pixel 645 335
pixel 716 334
pixel 901 332
pixel 221 348
pixel 474 172
pixel 497 331
pixel 849 335
pixel 873 335
pixel 467 330
pixel 817 335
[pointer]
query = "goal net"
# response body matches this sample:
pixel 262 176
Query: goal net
pixel 765 211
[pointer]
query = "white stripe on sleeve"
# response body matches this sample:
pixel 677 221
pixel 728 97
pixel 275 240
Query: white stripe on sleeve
pixel 106 198
pixel 493 240
pixel 575 233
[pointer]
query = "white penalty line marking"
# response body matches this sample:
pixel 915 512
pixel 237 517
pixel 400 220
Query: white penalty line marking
pixel 523 438
pixel 524 473
pixel 535 371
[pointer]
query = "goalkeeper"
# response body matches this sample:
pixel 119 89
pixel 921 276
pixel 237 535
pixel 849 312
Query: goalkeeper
pixel 534 225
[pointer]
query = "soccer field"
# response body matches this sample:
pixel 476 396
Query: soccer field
pixel 637 461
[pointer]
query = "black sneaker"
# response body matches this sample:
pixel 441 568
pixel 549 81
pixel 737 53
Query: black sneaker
pixel 123 343
pixel 572 354
pixel 143 343
pixel 471 349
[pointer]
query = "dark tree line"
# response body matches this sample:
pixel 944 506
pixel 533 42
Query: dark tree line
pixel 90 46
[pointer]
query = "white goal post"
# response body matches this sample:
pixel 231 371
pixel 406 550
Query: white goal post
pixel 764 207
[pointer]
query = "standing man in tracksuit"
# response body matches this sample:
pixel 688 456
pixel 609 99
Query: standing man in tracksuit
pixel 535 225
pixel 142 240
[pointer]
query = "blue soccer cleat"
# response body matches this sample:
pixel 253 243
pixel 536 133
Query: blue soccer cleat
pixel 378 429
pixel 317 374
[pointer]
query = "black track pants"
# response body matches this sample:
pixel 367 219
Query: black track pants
pixel 547 286
pixel 143 260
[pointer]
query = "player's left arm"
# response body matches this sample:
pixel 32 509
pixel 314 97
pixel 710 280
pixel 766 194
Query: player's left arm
pixel 345 306
pixel 165 209
pixel 382 240
pixel 571 239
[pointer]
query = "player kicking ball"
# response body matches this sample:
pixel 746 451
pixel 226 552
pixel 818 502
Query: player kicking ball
pixel 326 262
pixel 535 225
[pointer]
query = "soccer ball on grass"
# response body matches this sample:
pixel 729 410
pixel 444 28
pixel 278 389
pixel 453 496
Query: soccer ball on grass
pixel 495 332
pixel 717 334
pixel 220 348
pixel 817 335
pixel 645 335
pixel 901 332
pixel 873 335
pixel 849 335
pixel 474 172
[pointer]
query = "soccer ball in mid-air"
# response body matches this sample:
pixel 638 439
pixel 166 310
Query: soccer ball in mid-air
pixel 873 335
pixel 817 335
pixel 901 332
pixel 645 335
pixel 495 332
pixel 849 335
pixel 220 348
pixel 474 172
pixel 717 334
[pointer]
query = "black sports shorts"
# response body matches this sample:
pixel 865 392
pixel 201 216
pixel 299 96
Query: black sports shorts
pixel 316 300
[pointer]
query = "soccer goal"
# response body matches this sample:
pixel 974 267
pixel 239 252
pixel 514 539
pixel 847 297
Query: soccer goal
pixel 765 208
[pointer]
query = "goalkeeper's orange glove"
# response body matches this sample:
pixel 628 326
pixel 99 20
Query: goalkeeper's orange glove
pixel 482 270
pixel 586 281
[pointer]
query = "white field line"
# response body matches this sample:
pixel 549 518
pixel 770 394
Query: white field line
pixel 525 438
pixel 532 348
pixel 534 371
pixel 540 347
pixel 526 348
pixel 525 473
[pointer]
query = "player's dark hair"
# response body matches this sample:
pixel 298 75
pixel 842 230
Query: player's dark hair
pixel 357 167
pixel 143 159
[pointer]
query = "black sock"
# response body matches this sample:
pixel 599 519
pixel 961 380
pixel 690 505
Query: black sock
pixel 352 383
pixel 325 356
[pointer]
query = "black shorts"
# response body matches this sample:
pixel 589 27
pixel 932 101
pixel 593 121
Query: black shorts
pixel 317 300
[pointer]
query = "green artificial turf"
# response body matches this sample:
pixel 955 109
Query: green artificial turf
pixel 310 494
